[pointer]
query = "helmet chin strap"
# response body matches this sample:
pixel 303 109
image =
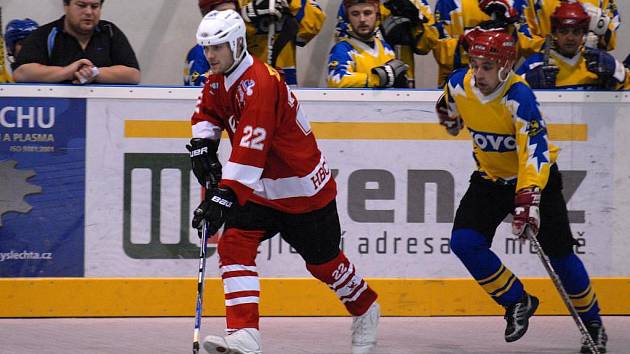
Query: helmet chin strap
pixel 237 60
pixel 504 71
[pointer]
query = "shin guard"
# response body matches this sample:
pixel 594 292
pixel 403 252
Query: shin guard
pixel 576 282
pixel 237 255
pixel 473 249
pixel 341 276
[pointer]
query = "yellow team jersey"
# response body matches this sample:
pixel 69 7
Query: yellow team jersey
pixel 573 72
pixel 427 41
pixel 537 13
pixel 453 18
pixel 351 61
pixel 310 19
pixel 508 132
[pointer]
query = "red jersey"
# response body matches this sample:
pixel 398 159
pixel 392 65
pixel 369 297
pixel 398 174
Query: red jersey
pixel 275 160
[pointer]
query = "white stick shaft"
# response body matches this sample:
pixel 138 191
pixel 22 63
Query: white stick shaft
pixel 272 32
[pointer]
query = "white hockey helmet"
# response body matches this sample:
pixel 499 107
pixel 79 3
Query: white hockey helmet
pixel 219 27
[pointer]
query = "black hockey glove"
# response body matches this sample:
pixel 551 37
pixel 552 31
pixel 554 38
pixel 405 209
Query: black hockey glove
pixel 609 71
pixel 406 9
pixel 397 30
pixel 205 164
pixel 213 209
pixel 542 77
pixel 392 74
pixel 258 10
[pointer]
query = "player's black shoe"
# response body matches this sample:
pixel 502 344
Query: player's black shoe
pixel 598 333
pixel 517 317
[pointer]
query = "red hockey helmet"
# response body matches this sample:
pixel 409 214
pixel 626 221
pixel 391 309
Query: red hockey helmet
pixel 208 5
pixel 496 46
pixel 570 14
pixel 348 3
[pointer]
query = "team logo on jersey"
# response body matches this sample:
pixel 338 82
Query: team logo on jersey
pixel 245 88
pixel 493 142
pixel 534 128
pixel 213 87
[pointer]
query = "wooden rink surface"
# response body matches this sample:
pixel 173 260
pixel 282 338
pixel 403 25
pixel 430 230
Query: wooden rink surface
pixel 301 335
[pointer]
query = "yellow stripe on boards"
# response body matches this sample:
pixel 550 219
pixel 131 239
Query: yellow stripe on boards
pixel 348 130
pixel 117 297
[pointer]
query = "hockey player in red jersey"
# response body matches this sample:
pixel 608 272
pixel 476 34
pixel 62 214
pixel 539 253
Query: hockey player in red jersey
pixel 275 181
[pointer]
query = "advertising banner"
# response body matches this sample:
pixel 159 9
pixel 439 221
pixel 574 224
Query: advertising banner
pixel 399 176
pixel 42 187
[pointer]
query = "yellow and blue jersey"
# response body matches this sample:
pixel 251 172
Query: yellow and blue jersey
pixel 537 13
pixel 428 39
pixel 310 18
pixel 509 135
pixel 351 61
pixel 453 18
pixel 196 67
pixel 573 72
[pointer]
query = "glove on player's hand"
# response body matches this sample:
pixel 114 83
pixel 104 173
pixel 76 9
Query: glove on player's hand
pixel 526 211
pixel 452 125
pixel 258 9
pixel 406 9
pixel 392 74
pixel 205 164
pixel 542 76
pixel 213 209
pixel 604 65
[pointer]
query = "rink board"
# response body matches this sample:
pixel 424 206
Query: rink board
pixel 115 297
pixel 399 177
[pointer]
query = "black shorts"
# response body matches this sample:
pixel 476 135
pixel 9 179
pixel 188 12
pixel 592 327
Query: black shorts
pixel 314 235
pixel 486 204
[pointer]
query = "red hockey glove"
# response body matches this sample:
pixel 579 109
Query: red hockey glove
pixel 526 211
pixel 452 125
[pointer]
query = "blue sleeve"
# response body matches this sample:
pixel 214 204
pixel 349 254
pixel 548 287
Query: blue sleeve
pixel 197 67
pixel 443 9
pixel 531 136
pixel 531 62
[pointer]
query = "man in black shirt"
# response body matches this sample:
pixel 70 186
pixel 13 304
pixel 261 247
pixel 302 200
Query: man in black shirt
pixel 78 48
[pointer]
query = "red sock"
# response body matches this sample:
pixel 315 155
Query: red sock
pixel 341 276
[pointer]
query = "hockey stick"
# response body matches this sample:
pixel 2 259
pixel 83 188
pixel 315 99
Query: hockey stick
pixel 3 72
pixel 272 32
pixel 200 283
pixel 563 293
pixel 547 49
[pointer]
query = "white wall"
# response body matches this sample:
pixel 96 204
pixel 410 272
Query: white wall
pixel 162 31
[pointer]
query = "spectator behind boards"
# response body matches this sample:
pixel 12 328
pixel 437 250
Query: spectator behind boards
pixel 14 34
pixel 78 48
pixel 360 58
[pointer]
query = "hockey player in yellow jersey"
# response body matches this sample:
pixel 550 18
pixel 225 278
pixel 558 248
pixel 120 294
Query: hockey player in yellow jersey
pixel 408 26
pixel 603 25
pixel 458 21
pixel 360 58
pixel 570 65
pixel 516 174
pixel 296 23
